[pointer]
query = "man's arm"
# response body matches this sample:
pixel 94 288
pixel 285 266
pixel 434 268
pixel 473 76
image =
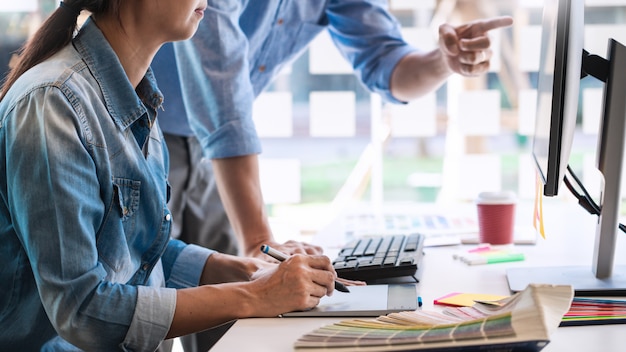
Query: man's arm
pixel 464 50
pixel 240 189
pixel 399 72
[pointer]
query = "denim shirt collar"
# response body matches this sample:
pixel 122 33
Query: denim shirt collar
pixel 124 103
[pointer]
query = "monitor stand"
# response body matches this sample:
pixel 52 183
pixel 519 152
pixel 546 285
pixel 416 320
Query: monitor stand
pixel 581 278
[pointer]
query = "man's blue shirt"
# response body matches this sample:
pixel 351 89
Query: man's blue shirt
pixel 85 251
pixel 240 47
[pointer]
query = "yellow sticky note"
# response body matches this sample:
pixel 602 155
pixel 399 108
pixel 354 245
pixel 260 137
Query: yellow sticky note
pixel 538 213
pixel 465 299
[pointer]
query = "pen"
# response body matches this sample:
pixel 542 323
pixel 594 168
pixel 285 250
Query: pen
pixel 280 256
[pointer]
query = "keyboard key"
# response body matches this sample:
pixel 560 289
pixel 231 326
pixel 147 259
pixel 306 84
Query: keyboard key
pixel 360 248
pixel 373 246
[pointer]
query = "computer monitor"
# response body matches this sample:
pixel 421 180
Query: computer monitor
pixel 563 62
pixel 557 90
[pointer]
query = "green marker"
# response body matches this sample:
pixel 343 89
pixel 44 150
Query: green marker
pixel 493 259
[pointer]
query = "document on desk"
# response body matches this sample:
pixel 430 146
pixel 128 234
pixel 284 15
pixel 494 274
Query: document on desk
pixel 439 229
pixel 370 300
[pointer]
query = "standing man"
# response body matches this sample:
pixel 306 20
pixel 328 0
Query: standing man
pixel 211 81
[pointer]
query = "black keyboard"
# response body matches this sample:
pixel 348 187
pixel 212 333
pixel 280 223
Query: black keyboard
pixel 380 257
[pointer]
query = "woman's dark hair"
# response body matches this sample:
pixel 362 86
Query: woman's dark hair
pixel 54 34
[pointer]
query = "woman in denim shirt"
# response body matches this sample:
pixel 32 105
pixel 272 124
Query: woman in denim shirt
pixel 86 259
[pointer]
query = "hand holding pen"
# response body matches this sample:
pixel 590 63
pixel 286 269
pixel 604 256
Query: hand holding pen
pixel 280 256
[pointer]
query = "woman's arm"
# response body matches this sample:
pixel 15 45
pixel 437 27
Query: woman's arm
pixel 296 284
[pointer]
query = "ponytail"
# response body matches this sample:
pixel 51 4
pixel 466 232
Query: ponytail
pixel 54 34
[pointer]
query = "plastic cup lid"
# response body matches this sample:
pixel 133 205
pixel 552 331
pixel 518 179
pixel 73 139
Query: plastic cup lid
pixel 498 197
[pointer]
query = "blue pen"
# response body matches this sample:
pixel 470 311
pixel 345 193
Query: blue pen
pixel 280 256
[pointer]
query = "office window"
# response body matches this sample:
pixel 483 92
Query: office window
pixel 324 134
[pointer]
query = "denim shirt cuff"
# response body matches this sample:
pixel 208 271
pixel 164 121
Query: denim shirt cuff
pixel 236 138
pixel 152 318
pixel 381 84
pixel 188 267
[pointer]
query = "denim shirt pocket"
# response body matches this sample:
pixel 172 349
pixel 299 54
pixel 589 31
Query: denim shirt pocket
pixel 113 247
pixel 127 195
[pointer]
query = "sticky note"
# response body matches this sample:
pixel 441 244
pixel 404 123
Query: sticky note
pixel 458 299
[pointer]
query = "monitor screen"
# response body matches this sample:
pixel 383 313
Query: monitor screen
pixel 558 89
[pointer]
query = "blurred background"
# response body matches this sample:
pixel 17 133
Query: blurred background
pixel 328 143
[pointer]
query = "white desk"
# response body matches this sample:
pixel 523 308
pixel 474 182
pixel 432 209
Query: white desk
pixel 570 245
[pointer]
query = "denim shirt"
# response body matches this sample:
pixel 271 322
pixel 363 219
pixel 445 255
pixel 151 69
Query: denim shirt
pixel 85 252
pixel 241 45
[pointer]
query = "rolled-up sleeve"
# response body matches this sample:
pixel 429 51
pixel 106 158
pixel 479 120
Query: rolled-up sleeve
pixel 184 264
pixel 370 38
pixel 155 308
pixel 152 318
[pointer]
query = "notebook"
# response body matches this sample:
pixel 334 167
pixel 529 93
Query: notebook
pixel 370 301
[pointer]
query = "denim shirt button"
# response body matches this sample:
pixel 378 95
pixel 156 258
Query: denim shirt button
pixel 168 217
pixel 145 266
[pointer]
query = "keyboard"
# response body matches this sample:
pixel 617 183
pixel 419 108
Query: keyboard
pixel 380 257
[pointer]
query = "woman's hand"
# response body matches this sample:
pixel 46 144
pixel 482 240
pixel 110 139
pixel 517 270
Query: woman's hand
pixel 298 283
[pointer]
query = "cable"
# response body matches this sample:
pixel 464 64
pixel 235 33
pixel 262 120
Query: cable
pixel 585 200
pixel 584 190
pixel 581 199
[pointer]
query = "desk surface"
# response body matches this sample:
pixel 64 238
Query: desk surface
pixel 570 236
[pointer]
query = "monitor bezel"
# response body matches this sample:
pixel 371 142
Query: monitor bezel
pixel 560 87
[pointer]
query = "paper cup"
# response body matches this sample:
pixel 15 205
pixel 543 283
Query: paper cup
pixel 496 217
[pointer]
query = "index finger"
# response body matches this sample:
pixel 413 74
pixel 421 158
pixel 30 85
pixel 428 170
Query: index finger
pixel 493 23
pixel 482 26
